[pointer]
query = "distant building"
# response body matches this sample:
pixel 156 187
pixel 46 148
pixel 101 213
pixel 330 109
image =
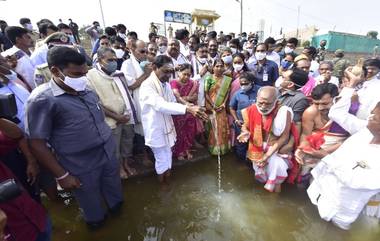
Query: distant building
pixel 204 19
pixel 353 43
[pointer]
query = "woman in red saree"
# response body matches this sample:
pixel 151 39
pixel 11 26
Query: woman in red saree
pixel 186 92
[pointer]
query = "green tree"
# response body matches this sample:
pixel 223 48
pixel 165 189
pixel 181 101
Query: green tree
pixel 372 34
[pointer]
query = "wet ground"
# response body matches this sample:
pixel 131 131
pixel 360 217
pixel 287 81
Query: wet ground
pixel 194 209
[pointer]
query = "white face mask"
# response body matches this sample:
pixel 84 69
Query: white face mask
pixel 246 88
pixel 279 82
pixel 77 84
pixel 202 60
pixel 260 56
pixel 250 51
pixel 119 53
pixel 29 26
pixel 227 59
pixel 238 67
pixel 233 50
pixel 162 49
pixel 288 50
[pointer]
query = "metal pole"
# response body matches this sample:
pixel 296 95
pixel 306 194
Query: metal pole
pixel 298 19
pixel 101 11
pixel 241 17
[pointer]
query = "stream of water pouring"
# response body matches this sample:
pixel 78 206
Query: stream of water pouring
pixel 214 125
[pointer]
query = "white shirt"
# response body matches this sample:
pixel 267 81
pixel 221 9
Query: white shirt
pixel 368 98
pixel 251 62
pixel 184 49
pixel 197 66
pixel 155 113
pixel 132 70
pixel 25 66
pixel 275 57
pixel 39 56
pixel 181 59
pixel 21 96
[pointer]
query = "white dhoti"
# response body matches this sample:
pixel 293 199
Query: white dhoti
pixel 157 107
pixel 275 172
pixel 163 157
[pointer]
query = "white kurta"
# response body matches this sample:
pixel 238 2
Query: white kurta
pixel 25 66
pixel 132 70
pixel 341 188
pixel 158 104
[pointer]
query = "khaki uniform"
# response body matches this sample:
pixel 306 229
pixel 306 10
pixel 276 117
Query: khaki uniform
pixel 340 65
pixel 42 74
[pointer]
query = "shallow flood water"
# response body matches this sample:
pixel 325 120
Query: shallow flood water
pixel 194 209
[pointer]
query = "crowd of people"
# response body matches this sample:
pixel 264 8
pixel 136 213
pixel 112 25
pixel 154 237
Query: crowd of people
pixel 83 119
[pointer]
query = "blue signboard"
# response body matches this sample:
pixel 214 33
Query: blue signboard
pixel 177 17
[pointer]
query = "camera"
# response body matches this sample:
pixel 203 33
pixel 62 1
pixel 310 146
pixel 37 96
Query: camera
pixel 9 190
pixel 8 107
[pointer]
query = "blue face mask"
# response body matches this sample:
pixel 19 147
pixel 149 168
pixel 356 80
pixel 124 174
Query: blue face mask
pixel 285 64
pixel 143 63
pixel 111 67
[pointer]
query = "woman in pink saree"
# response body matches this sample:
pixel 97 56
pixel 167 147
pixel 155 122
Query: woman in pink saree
pixel 186 92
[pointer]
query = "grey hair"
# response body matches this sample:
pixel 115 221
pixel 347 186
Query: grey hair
pixel 102 51
pixel 329 63
pixel 276 91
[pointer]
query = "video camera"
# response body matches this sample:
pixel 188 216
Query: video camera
pixel 9 190
pixel 8 107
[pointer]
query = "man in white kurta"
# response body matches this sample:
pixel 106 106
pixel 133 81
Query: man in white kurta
pixel 158 104
pixel 135 75
pixel 345 180
pixel 367 91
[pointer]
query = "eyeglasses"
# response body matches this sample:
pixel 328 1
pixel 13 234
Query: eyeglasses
pixel 142 51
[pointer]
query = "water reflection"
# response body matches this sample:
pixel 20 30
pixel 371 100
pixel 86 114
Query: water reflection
pixel 194 210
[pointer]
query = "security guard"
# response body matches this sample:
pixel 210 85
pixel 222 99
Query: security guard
pixel 42 73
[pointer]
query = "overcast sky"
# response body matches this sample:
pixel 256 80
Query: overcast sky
pixel 346 16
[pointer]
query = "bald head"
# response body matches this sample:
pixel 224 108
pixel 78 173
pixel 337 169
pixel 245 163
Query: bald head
pixel 268 92
pixel 138 44
pixel 139 50
pixel 266 99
